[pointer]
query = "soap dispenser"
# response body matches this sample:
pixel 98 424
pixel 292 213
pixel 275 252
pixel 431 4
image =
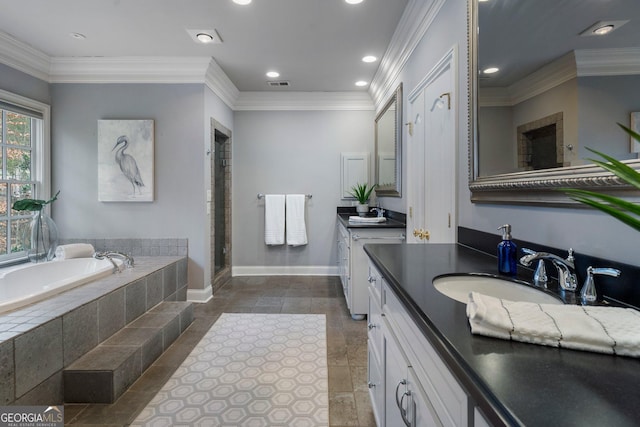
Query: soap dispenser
pixel 507 253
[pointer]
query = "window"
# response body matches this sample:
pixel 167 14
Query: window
pixel 24 166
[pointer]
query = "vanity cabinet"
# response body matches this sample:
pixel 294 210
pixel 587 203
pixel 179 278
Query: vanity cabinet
pixel 418 388
pixel 353 262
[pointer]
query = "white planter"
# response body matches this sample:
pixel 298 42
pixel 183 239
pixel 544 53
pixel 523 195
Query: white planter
pixel 362 210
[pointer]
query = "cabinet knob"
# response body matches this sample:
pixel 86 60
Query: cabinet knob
pixel 370 384
pixel 371 326
pixel 371 279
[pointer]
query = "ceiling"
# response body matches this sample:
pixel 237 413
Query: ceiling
pixel 316 45
pixel 522 36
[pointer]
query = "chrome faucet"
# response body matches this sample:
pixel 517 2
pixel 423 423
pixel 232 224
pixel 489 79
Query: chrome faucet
pixel 378 210
pixel 127 260
pixel 588 293
pixel 565 266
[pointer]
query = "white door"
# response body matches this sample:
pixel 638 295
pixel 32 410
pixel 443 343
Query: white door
pixel 432 156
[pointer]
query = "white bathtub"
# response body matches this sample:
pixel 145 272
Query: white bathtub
pixel 29 283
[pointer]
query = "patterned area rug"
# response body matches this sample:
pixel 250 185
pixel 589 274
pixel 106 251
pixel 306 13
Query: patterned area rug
pixel 249 370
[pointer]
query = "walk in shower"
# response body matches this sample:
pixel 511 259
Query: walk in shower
pixel 220 204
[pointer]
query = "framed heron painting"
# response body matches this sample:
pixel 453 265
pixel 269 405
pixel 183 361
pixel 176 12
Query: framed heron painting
pixel 125 160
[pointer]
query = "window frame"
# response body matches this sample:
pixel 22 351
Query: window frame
pixel 40 158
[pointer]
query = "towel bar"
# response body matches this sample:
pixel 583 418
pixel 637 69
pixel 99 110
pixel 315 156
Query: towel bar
pixel 261 196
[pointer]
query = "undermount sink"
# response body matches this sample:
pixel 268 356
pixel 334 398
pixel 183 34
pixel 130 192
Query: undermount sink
pixel 458 287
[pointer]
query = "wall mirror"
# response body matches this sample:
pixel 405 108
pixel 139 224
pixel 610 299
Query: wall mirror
pixel 556 88
pixel 388 147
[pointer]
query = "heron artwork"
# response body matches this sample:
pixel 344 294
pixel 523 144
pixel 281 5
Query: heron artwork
pixel 128 164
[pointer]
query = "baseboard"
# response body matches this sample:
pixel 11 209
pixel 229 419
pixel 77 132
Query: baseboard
pixel 199 295
pixel 284 270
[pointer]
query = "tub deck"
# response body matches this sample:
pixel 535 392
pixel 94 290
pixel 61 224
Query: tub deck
pixel 39 340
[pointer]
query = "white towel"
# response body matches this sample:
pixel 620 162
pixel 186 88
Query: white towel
pixel 75 250
pixel 274 219
pixel 612 330
pixel 296 228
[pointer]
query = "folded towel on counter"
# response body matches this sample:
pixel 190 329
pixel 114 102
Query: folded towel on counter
pixel 373 219
pixel 274 219
pixel 296 227
pixel 611 330
pixel 75 250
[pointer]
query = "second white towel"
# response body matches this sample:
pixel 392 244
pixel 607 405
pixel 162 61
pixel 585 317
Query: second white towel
pixel 296 227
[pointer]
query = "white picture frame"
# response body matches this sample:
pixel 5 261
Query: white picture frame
pixel 125 160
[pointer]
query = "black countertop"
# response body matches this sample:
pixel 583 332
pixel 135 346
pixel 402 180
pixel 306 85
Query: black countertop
pixel 389 223
pixel 513 383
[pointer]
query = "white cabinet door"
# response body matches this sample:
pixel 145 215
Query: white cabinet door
pixel 397 396
pixel 421 411
pixel 355 170
pixel 375 382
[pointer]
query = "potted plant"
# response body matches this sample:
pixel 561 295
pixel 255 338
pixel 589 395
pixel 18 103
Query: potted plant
pixel 623 210
pixel 362 192
pixel 42 235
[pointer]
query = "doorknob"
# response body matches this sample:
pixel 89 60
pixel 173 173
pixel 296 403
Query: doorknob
pixel 421 234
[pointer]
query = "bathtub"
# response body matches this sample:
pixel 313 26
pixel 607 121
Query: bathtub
pixel 29 283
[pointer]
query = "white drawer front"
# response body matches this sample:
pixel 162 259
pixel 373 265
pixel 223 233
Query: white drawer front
pixel 376 387
pixel 374 324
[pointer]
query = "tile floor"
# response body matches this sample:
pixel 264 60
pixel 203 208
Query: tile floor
pixel 347 347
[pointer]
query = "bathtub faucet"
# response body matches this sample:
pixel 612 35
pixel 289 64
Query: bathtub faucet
pixel 127 260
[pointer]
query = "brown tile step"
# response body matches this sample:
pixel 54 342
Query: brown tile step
pixel 104 373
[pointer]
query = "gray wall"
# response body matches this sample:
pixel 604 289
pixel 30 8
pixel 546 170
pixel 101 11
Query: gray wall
pixel 291 152
pixel 603 102
pixel 179 209
pixel 23 84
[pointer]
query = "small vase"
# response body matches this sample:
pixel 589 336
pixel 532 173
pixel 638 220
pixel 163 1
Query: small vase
pixel 362 209
pixel 44 237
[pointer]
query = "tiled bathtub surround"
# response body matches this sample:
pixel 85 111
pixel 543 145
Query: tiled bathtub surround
pixel 137 247
pixel 38 341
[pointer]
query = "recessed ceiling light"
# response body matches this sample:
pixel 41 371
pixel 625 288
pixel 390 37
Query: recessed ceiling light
pixel 369 58
pixel 605 29
pixel 204 37
pixel 601 28
pixel 242 2
pixel 78 36
pixel 490 70
pixel 354 1
pixel 273 74
pixel 361 83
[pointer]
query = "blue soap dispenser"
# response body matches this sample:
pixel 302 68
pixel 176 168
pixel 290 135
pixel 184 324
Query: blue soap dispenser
pixel 507 253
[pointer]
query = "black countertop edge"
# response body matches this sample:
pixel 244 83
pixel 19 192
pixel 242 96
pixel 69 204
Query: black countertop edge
pixel 394 219
pixel 512 383
pixel 388 224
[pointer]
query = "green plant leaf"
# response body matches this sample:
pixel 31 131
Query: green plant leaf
pixel 608 209
pixel 615 201
pixel 33 204
pixel 631 132
pixel 621 170
pixel 362 192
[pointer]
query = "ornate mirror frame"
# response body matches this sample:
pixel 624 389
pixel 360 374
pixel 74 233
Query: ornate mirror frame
pixel 531 187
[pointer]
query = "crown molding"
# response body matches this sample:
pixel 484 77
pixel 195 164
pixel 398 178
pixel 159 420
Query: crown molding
pixel 129 70
pixel 23 57
pixel 218 81
pixel 414 23
pixel 303 101
pixel 608 62
pixel 540 81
